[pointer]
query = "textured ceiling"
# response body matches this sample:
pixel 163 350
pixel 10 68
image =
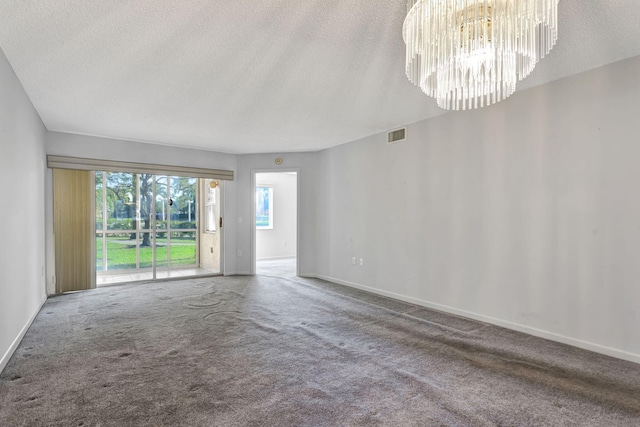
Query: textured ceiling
pixel 252 76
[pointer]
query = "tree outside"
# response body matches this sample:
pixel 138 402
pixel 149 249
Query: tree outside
pixel 129 215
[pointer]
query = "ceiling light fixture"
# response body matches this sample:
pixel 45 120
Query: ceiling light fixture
pixel 470 53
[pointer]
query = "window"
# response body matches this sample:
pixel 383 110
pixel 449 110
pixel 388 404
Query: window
pixel 264 208
pixel 211 187
pixel 128 220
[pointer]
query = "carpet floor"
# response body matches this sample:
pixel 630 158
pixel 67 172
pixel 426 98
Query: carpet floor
pixel 280 351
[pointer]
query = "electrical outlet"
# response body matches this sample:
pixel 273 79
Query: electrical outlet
pixel 353 260
pixel 361 262
pixel 284 243
pixel 239 220
pixel 239 252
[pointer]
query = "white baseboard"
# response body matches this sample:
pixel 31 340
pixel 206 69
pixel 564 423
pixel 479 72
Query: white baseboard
pixel 16 342
pixel 597 348
pixel 276 257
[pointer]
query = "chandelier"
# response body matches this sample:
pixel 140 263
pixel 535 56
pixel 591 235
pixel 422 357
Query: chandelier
pixel 470 53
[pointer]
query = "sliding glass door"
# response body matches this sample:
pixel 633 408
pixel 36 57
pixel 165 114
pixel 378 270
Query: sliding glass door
pixel 117 246
pixel 176 225
pixel 147 227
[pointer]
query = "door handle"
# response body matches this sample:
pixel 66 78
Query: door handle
pixel 220 222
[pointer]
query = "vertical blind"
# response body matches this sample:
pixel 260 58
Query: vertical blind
pixel 72 227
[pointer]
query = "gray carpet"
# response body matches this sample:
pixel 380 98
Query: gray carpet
pixel 273 351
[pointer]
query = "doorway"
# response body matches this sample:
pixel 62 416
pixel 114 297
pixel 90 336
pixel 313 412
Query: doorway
pixel 151 226
pixel 276 222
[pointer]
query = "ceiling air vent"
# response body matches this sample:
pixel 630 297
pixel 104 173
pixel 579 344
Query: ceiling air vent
pixel 397 136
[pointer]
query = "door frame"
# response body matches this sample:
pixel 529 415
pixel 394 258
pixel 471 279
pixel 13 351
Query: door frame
pixel 223 230
pixel 201 211
pixel 254 172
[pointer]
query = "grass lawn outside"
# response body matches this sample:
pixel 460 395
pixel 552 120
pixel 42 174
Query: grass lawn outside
pixel 121 252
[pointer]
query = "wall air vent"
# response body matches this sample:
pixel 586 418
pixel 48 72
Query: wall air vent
pixel 396 136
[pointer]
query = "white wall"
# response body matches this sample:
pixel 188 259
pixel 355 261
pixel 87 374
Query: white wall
pixel 306 165
pixel 279 242
pixel 22 225
pixel 525 213
pixel 64 144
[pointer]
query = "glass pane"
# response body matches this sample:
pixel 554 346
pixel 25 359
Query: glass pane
pixel 99 251
pixel 183 249
pixel 211 204
pixel 121 251
pixel 145 206
pixel 121 201
pixel 182 202
pixel 146 252
pixel 99 187
pixel 162 203
pixel 210 218
pixel 161 250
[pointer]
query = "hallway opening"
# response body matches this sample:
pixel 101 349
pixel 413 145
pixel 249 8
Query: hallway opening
pixel 276 222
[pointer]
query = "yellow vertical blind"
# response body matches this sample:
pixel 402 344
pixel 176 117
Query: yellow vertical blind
pixel 72 222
